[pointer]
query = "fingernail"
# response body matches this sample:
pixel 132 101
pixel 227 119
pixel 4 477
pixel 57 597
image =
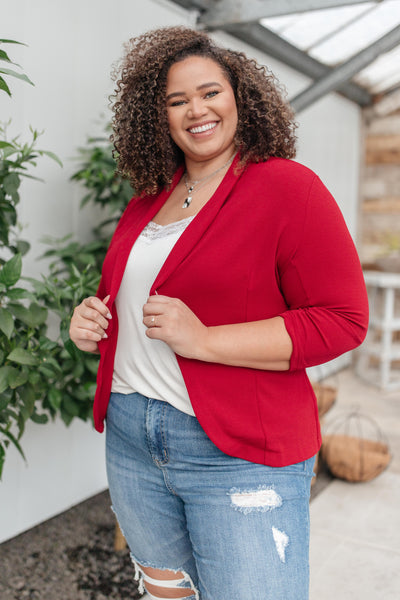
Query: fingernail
pixel 109 315
pixel 105 336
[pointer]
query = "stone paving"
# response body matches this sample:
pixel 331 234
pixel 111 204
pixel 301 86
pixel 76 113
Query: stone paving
pixel 355 527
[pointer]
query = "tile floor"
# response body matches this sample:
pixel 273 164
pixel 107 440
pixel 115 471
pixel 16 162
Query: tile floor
pixel 355 527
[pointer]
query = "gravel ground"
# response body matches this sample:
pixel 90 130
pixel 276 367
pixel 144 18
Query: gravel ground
pixel 72 557
pixel 69 557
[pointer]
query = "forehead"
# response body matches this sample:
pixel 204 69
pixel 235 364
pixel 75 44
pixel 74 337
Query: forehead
pixel 193 71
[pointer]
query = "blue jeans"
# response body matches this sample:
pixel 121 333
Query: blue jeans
pixel 236 530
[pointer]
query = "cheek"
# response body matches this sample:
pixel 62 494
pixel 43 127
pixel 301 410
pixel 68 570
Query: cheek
pixel 173 124
pixel 231 110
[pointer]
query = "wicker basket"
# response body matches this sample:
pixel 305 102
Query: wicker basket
pixel 326 397
pixel 355 457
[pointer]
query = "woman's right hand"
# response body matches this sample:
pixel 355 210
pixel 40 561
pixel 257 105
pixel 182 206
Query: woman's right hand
pixel 89 323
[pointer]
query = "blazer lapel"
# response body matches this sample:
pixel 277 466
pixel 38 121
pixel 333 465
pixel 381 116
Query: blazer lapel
pixel 132 227
pixel 197 227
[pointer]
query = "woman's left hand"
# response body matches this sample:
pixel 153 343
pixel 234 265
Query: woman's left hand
pixel 171 321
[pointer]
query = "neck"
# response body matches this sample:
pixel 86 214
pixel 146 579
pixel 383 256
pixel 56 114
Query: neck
pixel 197 170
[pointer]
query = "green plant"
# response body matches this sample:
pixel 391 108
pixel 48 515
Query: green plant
pixel 4 58
pixel 39 376
pixel 15 161
pixel 74 273
pixel 25 350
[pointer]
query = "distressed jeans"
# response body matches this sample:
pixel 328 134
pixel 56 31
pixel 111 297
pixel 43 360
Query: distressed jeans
pixel 236 530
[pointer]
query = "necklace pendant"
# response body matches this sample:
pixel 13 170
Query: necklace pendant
pixel 187 202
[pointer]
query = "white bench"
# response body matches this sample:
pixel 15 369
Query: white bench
pixel 377 355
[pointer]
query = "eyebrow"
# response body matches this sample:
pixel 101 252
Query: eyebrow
pixel 200 87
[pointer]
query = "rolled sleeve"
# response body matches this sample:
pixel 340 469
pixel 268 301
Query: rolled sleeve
pixel 323 284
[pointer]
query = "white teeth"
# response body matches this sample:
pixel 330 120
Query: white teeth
pixel 202 128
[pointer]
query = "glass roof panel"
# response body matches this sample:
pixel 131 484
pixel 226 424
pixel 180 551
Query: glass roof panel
pixel 334 35
pixel 305 30
pixel 359 34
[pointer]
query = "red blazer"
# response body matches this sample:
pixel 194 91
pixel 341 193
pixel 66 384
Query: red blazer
pixel 271 241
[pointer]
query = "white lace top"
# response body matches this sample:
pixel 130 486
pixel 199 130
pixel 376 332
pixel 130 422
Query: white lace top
pixel 141 364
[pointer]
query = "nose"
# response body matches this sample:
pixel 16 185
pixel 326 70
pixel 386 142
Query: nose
pixel 196 108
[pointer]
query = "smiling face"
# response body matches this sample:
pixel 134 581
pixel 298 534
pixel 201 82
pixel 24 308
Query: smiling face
pixel 202 112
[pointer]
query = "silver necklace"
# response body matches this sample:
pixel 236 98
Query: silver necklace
pixel 190 185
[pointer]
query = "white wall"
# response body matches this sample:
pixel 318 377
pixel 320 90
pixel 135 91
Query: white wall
pixel 72 46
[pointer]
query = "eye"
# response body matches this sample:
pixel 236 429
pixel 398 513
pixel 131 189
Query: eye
pixel 177 103
pixel 212 94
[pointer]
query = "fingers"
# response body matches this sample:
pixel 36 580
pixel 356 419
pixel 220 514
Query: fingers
pixel 173 322
pixel 157 305
pixel 94 310
pixel 160 309
pixel 89 323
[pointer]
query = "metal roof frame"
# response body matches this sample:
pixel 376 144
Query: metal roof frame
pixel 240 19
pixel 219 13
pixel 346 71
pixel 272 44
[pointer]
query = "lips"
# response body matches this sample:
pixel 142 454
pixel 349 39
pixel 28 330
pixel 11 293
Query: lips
pixel 203 128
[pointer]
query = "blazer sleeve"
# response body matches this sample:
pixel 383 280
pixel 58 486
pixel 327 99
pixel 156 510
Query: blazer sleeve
pixel 323 285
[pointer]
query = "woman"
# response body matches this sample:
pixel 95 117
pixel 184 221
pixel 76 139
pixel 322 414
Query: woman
pixel 230 272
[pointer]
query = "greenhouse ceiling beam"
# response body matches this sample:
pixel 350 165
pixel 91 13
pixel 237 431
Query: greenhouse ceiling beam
pixel 269 42
pixel 218 13
pixel 344 72
pixel 193 4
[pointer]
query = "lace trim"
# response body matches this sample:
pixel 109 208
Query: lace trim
pixel 154 231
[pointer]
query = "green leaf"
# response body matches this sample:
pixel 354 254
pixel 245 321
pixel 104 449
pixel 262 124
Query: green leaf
pixel 14 440
pixel 6 322
pixel 12 73
pixel 34 378
pixel 50 361
pixel 47 345
pixel 39 419
pixel 3 403
pixel 17 377
pixel 38 314
pixel 19 294
pixel 11 183
pixel 4 86
pixel 38 286
pixel 5 145
pixel 2 458
pixel 28 397
pixel 20 312
pixel 4 378
pixel 66 418
pixel 51 155
pixel 46 371
pixel 4 56
pixel 70 407
pixel 55 398
pixel 11 271
pixel 23 357
pixel 3 41
pixel 22 247
pixel 33 316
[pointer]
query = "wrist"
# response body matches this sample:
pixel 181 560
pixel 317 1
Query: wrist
pixel 204 346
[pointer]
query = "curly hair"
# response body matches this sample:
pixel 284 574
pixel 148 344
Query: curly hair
pixel 145 151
